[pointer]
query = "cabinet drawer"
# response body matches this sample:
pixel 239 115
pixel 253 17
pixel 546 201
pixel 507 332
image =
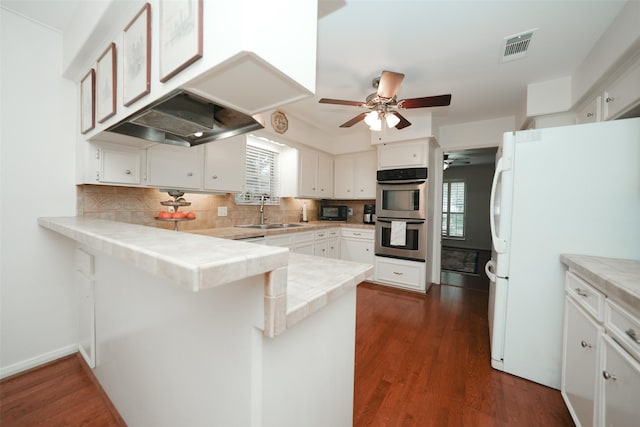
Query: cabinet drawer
pixel 587 296
pixel 283 240
pixel 327 233
pixel 406 274
pixel 623 327
pixel 357 233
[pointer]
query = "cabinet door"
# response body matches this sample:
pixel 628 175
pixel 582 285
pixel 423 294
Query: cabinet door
pixel 225 165
pixel 308 173
pixel 365 176
pixel 580 363
pixel 320 248
pixel 344 177
pixel 333 248
pixel 402 154
pixel 120 166
pixel 591 112
pixel 304 248
pixel 620 379
pixel 397 272
pixel 622 93
pixel 325 177
pixel 357 250
pixel 174 167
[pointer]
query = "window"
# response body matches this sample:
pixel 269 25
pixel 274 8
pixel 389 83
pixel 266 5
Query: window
pixel 262 174
pixel 453 198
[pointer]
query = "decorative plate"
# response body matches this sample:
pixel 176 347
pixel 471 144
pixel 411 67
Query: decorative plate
pixel 279 122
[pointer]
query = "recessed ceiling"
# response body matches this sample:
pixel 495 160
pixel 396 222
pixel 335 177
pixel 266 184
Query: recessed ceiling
pixel 442 47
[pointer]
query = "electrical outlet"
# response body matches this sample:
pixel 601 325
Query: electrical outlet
pixel 350 211
pixel 222 211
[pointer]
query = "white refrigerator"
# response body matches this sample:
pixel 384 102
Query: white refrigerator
pixel 572 189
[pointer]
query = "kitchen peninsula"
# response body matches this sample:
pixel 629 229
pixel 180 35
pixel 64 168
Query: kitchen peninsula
pixel 198 330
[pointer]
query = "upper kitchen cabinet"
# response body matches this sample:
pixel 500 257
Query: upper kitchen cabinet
pixel 306 173
pixel 355 176
pixel 410 154
pixel 112 164
pixel 229 53
pixel 174 167
pixel 622 93
pixel 225 166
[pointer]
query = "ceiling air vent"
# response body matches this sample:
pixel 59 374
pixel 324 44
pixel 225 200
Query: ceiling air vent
pixel 515 46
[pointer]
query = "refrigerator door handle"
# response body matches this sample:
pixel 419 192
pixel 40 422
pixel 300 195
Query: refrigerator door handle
pixel 500 245
pixel 488 268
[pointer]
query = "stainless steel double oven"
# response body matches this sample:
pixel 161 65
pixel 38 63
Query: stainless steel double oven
pixel 401 202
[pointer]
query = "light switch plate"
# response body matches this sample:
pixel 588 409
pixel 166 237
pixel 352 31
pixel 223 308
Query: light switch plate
pixel 222 211
pixel 350 211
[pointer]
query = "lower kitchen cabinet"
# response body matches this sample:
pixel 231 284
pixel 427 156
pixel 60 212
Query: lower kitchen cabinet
pixel 601 358
pixel 401 273
pixel 357 245
pixel 327 243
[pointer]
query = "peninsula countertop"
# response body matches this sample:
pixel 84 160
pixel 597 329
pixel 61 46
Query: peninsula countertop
pixel 198 262
pixel 618 279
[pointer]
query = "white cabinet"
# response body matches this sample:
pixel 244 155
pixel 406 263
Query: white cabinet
pixel 622 93
pixel 357 245
pixel 225 165
pixel 601 358
pixel 580 363
pixel 175 167
pixel 401 273
pixel 303 242
pixel 119 164
pixel 315 175
pixel 326 243
pixel 620 386
pixel 403 154
pixel 355 176
pixel 592 112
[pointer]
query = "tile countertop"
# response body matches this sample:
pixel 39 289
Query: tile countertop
pixel 195 263
pixel 618 279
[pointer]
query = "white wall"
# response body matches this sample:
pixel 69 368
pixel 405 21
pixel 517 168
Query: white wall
pixel 37 140
pixel 484 133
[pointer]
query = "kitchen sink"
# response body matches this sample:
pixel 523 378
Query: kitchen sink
pixel 268 226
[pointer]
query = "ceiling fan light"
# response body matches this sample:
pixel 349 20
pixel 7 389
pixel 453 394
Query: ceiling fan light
pixel 392 120
pixel 374 122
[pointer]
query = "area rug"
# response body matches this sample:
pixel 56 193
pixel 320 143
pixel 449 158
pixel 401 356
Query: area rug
pixel 460 260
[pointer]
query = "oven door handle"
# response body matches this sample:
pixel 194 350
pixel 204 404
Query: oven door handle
pixel 408 222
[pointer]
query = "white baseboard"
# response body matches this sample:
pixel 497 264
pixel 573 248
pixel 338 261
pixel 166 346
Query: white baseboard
pixel 33 362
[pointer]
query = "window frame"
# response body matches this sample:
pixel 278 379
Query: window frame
pixel 447 213
pixel 249 196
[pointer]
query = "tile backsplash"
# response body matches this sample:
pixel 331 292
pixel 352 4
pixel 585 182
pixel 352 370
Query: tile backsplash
pixel 141 205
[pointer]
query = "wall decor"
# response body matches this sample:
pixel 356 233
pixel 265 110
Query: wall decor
pixel 180 35
pixel 88 102
pixel 106 84
pixel 136 54
pixel 279 122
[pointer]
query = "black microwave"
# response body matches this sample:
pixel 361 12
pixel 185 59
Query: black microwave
pixel 333 212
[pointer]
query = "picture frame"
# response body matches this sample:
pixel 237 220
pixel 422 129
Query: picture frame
pixel 88 102
pixel 180 35
pixel 106 84
pixel 136 57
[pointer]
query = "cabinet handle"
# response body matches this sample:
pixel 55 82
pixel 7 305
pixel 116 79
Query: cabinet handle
pixel 589 114
pixel 581 293
pixel 609 99
pixel 398 273
pixel 608 376
pixel 357 234
pixel 348 191
pixel 633 336
pixel 585 344
pixel 189 173
pixel 127 172
pixel 214 177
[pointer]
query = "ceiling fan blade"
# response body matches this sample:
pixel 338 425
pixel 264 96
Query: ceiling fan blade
pixel 403 123
pixel 389 84
pixel 427 101
pixel 356 119
pixel 339 102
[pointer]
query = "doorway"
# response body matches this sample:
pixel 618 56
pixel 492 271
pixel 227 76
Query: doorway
pixel 466 235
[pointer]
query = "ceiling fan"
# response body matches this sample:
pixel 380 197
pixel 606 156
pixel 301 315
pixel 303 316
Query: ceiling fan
pixel 384 104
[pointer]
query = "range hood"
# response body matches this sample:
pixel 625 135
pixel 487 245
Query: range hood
pixel 185 119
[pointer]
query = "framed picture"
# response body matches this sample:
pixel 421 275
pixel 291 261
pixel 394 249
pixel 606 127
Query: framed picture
pixel 180 35
pixel 106 84
pixel 88 102
pixel 136 53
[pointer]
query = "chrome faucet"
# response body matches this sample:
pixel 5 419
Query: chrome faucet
pixel 262 218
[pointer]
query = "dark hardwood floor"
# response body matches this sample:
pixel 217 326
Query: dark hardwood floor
pixel 421 360
pixel 61 393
